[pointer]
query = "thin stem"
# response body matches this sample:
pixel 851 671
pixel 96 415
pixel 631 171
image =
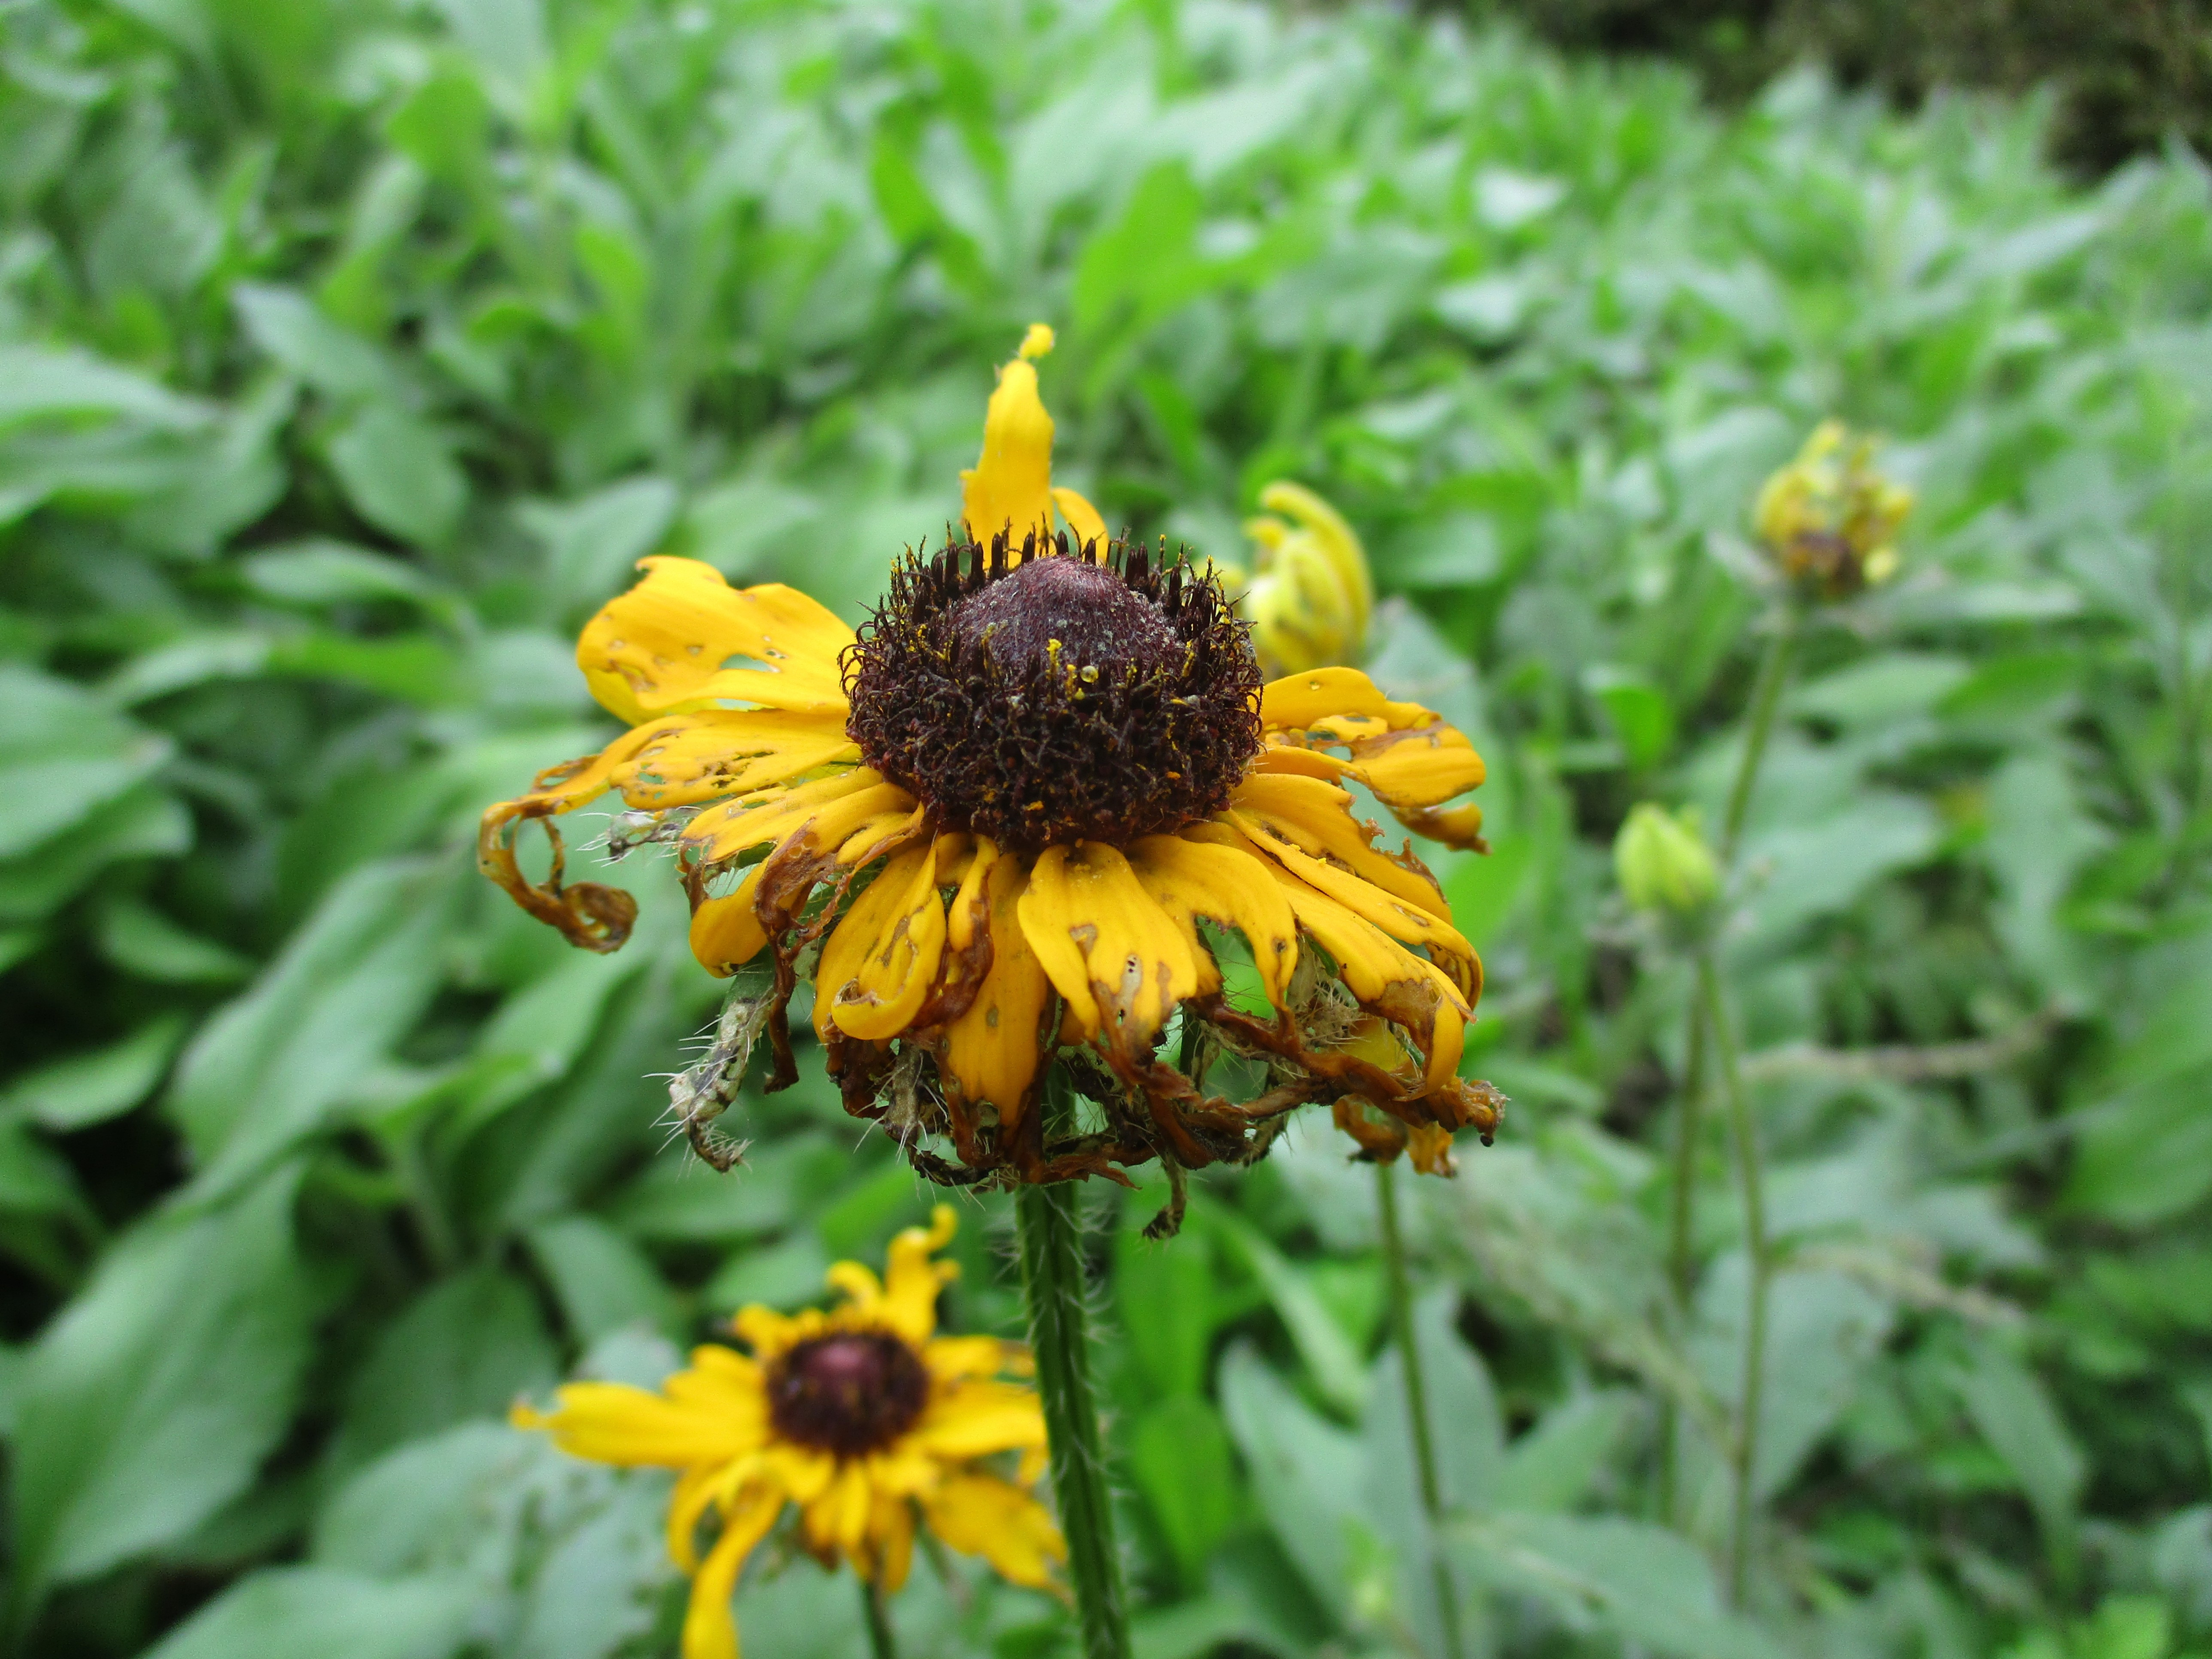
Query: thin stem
pixel 1765 698
pixel 1417 1400
pixel 1745 1458
pixel 1052 1284
pixel 1681 1243
pixel 882 1644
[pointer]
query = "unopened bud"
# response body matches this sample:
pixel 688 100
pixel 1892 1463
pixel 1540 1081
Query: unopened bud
pixel 1310 594
pixel 1829 519
pixel 1663 863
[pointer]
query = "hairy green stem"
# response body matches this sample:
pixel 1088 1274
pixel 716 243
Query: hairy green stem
pixel 1052 1284
pixel 1744 1458
pixel 882 1644
pixel 1765 698
pixel 1681 1241
pixel 1417 1400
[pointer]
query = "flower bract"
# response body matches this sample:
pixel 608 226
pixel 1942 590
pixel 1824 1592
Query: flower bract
pixel 1040 808
pixel 860 1418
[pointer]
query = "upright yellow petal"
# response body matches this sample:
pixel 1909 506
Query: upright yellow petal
pixel 912 1277
pixel 1009 488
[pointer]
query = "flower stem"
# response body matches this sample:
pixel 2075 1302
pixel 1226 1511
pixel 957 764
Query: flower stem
pixel 882 1644
pixel 1417 1400
pixel 1745 1453
pixel 1681 1243
pixel 1765 698
pixel 1052 1284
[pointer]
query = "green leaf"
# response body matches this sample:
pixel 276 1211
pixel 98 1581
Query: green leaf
pixel 62 755
pixel 1553 1467
pixel 2010 1406
pixel 90 1088
pixel 282 1613
pixel 320 572
pixel 147 944
pixel 399 472
pixel 1641 716
pixel 604 1281
pixel 468 1346
pixel 152 1399
pixel 1179 1456
pixel 1327 1348
pixel 40 383
pixel 273 1066
pixel 1646 1584
pixel 592 544
pixel 1164 1292
pixel 1305 1472
pixel 329 356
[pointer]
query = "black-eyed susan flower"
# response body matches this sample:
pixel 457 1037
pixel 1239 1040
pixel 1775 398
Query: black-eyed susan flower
pixel 1038 808
pixel 861 1418
pixel 1829 519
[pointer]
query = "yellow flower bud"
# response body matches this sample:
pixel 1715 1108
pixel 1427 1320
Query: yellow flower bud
pixel 1310 594
pixel 1829 519
pixel 1663 863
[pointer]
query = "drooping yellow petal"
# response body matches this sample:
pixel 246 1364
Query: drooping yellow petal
pixel 992 1053
pixel 982 1515
pixel 890 1537
pixel 726 931
pixel 702 757
pixel 912 1277
pixel 1411 757
pixel 827 810
pixel 710 1629
pixel 662 648
pixel 1188 878
pixel 588 915
pixel 1316 818
pixel 880 962
pixel 615 1423
pixel 1009 488
pixel 1119 960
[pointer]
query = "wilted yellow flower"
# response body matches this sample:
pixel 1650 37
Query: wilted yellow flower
pixel 1830 519
pixel 1309 595
pixel 1027 810
pixel 861 1417
pixel 1663 863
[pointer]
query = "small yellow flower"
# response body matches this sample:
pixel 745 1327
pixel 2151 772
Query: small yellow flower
pixel 1025 812
pixel 1829 519
pixel 861 1417
pixel 1311 594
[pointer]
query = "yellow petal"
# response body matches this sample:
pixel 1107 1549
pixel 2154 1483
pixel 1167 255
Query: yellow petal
pixel 982 1515
pixel 827 810
pixel 880 962
pixel 1409 924
pixel 690 758
pixel 1316 818
pixel 993 1051
pixel 661 647
pixel 1083 523
pixel 1409 755
pixel 1009 488
pixel 1121 961
pixel 1188 878
pixel 977 1418
pixel 912 1278
pixel 710 1630
pixel 1338 542
pixel 950 1358
pixel 725 932
pixel 615 1423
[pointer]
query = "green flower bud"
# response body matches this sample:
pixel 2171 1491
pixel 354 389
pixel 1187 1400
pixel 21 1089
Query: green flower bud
pixel 1663 863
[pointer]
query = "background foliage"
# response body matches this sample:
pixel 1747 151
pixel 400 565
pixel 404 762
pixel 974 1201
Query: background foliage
pixel 349 354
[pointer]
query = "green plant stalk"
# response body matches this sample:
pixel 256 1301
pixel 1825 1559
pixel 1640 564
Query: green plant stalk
pixel 1416 1401
pixel 882 1644
pixel 1052 1285
pixel 1765 698
pixel 1681 1241
pixel 1744 1454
